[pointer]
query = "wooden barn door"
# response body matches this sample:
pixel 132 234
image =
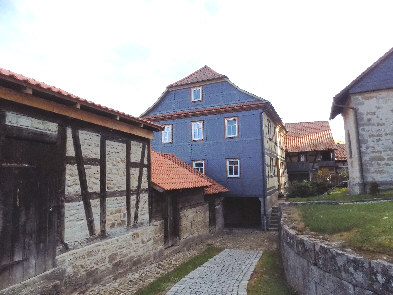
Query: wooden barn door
pixel 28 193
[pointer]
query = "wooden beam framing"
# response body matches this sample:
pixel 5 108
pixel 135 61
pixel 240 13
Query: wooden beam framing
pixel 138 190
pixel 83 181
pixel 72 112
pixel 2 133
pixel 128 182
pixel 150 201
pixel 61 149
pixel 103 185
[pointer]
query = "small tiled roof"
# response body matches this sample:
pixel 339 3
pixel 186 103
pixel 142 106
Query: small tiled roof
pixel 171 173
pixel 203 74
pixel 308 136
pixel 340 152
pixel 32 83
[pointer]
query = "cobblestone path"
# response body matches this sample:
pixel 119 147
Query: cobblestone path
pixel 126 284
pixel 226 273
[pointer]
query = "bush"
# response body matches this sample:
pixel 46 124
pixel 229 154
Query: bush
pixel 374 188
pixel 307 189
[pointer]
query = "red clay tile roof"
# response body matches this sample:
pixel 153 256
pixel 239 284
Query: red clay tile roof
pixel 171 173
pixel 203 74
pixel 308 136
pixel 29 82
pixel 340 153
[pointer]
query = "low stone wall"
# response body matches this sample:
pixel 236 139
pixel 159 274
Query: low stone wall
pixel 78 269
pixel 315 267
pixel 193 214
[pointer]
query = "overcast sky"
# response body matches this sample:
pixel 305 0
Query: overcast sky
pixel 122 54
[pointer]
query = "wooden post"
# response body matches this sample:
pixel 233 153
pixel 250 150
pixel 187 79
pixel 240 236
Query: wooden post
pixel 128 182
pixel 61 149
pixel 103 185
pixel 138 190
pixel 149 199
pixel 2 135
pixel 83 182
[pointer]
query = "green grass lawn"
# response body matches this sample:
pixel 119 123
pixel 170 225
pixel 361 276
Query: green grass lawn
pixel 342 195
pixel 165 282
pixel 367 227
pixel 268 277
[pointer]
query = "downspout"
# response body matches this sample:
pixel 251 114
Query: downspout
pixel 358 145
pixel 264 192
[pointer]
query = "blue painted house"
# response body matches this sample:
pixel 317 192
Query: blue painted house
pixel 231 135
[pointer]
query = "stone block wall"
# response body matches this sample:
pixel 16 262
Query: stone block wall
pixel 313 267
pixel 219 206
pixel 375 120
pixel 193 214
pixel 79 269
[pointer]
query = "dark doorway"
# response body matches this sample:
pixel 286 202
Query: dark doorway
pixel 171 224
pixel 28 193
pixel 242 212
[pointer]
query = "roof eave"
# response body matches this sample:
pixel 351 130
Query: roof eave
pixel 69 98
pixel 342 96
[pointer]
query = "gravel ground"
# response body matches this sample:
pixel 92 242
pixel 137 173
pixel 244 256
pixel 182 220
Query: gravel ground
pixel 230 239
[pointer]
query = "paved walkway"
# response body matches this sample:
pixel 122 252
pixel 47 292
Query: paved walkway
pixel 129 283
pixel 226 273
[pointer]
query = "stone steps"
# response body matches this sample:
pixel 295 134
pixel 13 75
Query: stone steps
pixel 274 219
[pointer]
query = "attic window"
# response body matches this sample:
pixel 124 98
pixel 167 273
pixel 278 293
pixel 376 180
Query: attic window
pixel 196 94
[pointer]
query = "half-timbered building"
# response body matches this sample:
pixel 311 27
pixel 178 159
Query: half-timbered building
pixel 72 173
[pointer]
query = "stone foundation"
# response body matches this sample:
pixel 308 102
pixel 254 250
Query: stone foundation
pixel 81 268
pixel 316 268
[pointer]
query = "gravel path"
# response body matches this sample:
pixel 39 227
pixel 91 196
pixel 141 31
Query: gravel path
pixel 226 273
pixel 143 275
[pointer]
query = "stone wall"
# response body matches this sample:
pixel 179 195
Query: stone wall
pixel 313 267
pixel 193 214
pixel 78 269
pixel 375 120
pixel 219 207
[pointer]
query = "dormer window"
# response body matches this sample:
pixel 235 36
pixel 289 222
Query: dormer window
pixel 196 94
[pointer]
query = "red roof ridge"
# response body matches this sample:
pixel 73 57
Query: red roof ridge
pixel 203 74
pixel 42 85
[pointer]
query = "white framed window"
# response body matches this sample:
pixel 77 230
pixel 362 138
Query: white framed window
pixel 269 127
pixel 231 127
pixel 166 134
pixel 272 164
pixel 199 165
pixel 197 130
pixel 302 158
pixel 233 168
pixel 196 94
